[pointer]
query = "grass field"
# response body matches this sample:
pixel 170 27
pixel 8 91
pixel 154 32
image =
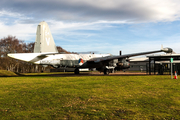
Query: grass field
pixel 6 73
pixel 89 97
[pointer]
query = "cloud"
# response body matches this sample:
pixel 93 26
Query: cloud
pixel 109 25
pixel 114 49
pixel 21 31
pixel 90 10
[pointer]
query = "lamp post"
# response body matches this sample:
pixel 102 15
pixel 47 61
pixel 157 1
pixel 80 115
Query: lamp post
pixel 171 67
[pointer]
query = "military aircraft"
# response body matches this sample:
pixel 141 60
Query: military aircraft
pixel 45 53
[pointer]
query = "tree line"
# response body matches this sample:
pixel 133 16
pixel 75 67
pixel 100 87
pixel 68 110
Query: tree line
pixel 11 44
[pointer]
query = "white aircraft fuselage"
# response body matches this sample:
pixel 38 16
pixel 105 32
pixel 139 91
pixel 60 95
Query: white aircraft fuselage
pixel 68 60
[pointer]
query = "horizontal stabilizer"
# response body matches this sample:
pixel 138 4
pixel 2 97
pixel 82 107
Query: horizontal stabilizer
pixel 30 57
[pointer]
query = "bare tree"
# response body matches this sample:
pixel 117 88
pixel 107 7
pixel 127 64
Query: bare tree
pixel 11 44
pixel 61 50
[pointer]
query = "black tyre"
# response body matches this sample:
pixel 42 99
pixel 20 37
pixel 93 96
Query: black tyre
pixel 76 71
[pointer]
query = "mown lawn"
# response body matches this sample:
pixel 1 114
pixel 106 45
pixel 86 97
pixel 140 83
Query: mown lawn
pixel 89 97
pixel 7 73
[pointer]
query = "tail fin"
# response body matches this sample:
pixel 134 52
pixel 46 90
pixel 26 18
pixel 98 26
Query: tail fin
pixel 44 40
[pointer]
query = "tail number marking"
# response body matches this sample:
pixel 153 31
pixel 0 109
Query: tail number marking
pixel 47 37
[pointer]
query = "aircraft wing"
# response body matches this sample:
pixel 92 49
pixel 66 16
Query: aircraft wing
pixel 109 58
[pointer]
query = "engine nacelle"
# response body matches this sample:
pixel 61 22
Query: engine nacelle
pixel 123 64
pixel 167 50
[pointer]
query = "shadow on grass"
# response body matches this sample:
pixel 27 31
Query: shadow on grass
pixel 94 74
pixel 71 74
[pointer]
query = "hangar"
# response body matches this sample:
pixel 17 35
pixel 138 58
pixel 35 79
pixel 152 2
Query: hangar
pixel 156 64
pixel 161 64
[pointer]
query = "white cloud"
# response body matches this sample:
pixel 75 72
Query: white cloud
pixel 21 31
pixel 20 18
pixel 90 10
pixel 70 26
pixel 132 10
pixel 7 13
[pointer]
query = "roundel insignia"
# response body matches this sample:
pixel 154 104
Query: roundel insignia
pixel 80 61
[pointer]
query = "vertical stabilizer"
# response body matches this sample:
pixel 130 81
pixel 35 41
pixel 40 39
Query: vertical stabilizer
pixel 44 40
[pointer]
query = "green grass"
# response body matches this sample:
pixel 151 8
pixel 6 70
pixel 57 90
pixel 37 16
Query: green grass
pixel 7 73
pixel 89 97
pixel 43 74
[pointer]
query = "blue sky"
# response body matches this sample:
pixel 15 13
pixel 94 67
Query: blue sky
pixel 103 26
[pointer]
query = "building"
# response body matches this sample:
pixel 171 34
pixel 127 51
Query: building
pixel 156 64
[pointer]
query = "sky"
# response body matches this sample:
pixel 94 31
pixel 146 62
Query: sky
pixel 102 26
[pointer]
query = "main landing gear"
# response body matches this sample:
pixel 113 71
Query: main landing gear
pixel 106 71
pixel 76 71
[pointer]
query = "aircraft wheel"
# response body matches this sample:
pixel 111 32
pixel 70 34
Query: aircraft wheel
pixel 106 72
pixel 76 71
